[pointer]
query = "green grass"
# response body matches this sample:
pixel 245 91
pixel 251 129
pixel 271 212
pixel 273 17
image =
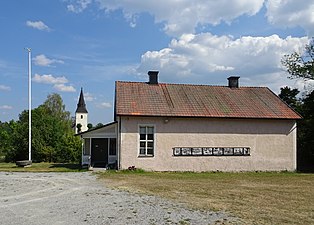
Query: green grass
pixel 257 198
pixel 42 167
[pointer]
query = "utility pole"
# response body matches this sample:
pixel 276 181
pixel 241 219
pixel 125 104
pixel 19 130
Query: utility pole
pixel 29 105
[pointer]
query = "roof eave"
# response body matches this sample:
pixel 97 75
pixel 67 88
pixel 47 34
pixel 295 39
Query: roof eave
pixel 96 128
pixel 213 117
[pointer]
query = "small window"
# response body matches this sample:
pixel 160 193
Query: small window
pixel 146 141
pixel 81 116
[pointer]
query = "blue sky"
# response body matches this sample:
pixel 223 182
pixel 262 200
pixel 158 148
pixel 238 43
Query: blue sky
pixel 93 43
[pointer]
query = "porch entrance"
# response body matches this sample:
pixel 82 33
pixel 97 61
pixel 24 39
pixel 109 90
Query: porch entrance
pixel 99 156
pixel 100 147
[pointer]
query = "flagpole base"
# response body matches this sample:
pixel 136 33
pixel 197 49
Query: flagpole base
pixel 24 163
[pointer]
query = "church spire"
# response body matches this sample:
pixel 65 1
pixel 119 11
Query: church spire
pixel 81 106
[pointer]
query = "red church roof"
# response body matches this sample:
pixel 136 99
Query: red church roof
pixel 183 100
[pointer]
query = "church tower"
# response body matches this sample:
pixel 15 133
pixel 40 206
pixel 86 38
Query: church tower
pixel 81 115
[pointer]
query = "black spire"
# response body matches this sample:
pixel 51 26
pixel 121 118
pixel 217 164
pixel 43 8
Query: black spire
pixel 81 106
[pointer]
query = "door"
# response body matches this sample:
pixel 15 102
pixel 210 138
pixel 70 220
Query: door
pixel 99 156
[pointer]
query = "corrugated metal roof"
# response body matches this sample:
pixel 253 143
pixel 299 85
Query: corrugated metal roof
pixel 184 100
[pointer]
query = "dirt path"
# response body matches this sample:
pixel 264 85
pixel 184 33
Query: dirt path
pixel 78 198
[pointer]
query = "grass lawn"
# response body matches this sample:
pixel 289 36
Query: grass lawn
pixel 42 167
pixel 256 198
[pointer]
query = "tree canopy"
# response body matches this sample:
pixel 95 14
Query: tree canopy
pixel 289 96
pixel 53 138
pixel 301 65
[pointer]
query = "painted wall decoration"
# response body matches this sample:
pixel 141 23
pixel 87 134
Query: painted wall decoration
pixel 210 151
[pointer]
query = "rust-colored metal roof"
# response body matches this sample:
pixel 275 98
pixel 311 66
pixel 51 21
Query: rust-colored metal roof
pixel 185 100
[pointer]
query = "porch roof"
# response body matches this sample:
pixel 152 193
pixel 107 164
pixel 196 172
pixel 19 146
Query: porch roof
pixel 97 129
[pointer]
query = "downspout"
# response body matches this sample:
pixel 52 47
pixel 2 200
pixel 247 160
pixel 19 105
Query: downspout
pixel 295 147
pixel 90 153
pixel 119 143
pixel 82 156
pixel 118 129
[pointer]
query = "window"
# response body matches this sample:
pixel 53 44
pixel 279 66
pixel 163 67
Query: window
pixel 112 146
pixel 146 141
pixel 81 116
pixel 87 146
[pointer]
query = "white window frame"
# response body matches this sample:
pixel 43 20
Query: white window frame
pixel 139 140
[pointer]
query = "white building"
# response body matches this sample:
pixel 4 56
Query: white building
pixel 182 127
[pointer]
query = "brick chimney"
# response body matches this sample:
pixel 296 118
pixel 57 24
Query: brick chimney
pixel 153 77
pixel 233 82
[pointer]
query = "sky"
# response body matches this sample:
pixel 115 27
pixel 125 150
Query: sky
pixel 90 44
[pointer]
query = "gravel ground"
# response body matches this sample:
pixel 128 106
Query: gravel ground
pixel 78 198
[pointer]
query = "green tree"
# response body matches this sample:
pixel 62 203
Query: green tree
pixel 19 138
pixel 53 139
pixel 6 141
pixel 69 149
pixel 55 107
pixel 301 65
pixel 305 135
pixel 79 128
pixel 89 126
pixel 289 96
pixel 99 125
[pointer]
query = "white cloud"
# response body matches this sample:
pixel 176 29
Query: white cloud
pixel 6 107
pixel 79 6
pixel 59 83
pixel 49 79
pixel 183 16
pixel 304 85
pixel 38 25
pixel 4 88
pixel 104 105
pixel 42 60
pixel 64 88
pixel 209 58
pixel 89 97
pixel 291 13
pixel 179 17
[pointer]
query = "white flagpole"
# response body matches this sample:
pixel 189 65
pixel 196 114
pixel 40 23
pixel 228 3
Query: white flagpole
pixel 29 105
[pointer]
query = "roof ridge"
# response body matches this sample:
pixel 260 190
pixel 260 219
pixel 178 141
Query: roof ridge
pixel 182 84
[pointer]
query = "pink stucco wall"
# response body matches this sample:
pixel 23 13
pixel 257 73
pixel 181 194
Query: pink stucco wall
pixel 272 144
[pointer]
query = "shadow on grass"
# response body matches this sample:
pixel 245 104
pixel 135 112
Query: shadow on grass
pixel 70 166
